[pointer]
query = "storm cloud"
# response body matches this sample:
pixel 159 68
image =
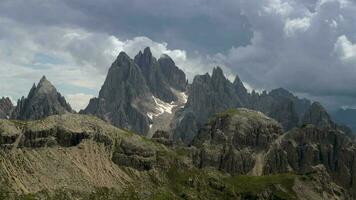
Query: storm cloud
pixel 306 46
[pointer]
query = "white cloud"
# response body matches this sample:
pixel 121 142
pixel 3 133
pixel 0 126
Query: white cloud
pixel 345 49
pixel 78 101
pixel 293 26
pixel 278 7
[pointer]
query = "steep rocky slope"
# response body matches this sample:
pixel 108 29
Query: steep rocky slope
pixel 81 157
pixel 124 98
pixel 43 100
pixel 207 95
pixel 6 108
pixel 140 95
pixel 174 76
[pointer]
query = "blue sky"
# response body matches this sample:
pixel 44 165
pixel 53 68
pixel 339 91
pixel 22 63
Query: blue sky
pixel 306 46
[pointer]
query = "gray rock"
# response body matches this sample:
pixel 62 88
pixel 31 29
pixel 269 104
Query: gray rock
pixel 230 140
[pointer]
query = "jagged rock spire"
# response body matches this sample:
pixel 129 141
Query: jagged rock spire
pixel 155 78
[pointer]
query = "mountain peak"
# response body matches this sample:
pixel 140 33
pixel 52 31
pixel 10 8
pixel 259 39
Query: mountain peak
pixel 122 56
pixel 43 79
pixel 42 101
pixel 45 86
pixel 147 51
pixel 167 59
pixel 217 71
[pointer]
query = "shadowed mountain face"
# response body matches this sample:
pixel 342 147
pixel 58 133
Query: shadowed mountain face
pixel 174 76
pixel 6 108
pixel 124 97
pixel 43 100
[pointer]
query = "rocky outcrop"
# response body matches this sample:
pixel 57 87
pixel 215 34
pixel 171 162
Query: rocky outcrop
pixel 6 108
pixel 303 149
pixel 43 100
pixel 232 139
pixel 125 98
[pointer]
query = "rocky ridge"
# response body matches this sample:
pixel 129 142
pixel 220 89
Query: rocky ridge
pixel 90 155
pixel 247 142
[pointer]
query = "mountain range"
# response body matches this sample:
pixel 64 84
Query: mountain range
pixel 152 135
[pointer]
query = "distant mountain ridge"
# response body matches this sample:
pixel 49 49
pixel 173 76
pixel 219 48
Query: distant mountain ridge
pixel 144 92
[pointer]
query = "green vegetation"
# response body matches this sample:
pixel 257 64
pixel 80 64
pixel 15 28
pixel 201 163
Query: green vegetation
pixel 208 184
pixel 184 184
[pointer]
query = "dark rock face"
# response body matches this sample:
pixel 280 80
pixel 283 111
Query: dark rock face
pixel 124 97
pixel 154 76
pixel 43 100
pixel 175 77
pixel 230 140
pixel 6 108
pixel 305 148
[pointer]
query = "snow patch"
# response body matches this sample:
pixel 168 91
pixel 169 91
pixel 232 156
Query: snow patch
pixel 162 106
